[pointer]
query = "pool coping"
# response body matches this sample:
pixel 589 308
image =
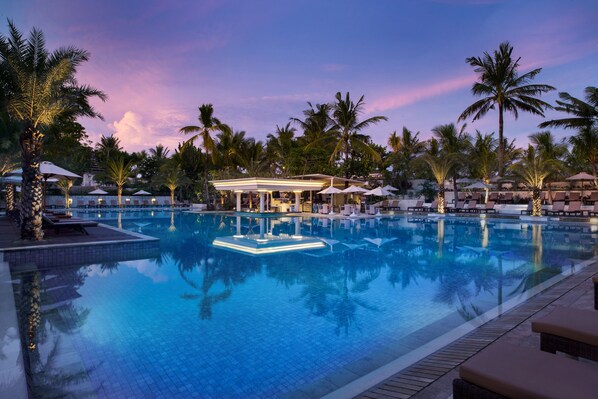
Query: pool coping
pixel 443 354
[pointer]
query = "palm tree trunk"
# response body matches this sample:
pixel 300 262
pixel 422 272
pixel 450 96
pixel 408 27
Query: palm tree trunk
pixel 455 190
pixel 10 198
pixel 441 198
pixel 119 193
pixel 501 144
pixel 172 196
pixel 206 194
pixel 31 189
pixel 536 201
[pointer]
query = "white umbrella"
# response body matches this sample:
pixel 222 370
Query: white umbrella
pixel 465 180
pixel 480 185
pixel 354 189
pixel 331 190
pixel 142 192
pixel 388 187
pixel 582 176
pixel 378 191
pixel 98 191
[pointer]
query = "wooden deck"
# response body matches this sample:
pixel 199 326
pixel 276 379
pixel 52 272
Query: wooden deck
pixel 432 377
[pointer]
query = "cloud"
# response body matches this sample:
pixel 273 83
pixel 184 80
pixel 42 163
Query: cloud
pixel 137 132
pixel 408 97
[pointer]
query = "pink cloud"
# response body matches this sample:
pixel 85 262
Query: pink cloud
pixel 407 97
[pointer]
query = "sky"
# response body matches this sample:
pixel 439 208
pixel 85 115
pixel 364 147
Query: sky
pixel 259 62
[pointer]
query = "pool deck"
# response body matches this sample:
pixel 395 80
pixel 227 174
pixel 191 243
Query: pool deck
pixel 432 376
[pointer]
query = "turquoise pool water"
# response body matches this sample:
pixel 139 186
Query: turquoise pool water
pixel 277 307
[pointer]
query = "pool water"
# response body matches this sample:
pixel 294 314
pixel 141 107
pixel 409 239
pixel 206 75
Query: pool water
pixel 246 318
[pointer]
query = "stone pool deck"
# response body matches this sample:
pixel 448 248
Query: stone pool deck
pixel 431 377
pixel 103 243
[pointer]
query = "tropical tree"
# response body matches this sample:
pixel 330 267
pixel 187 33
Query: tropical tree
pixel 65 186
pixel 228 150
pixel 441 167
pixel 118 172
pixel 405 148
pixel 279 148
pixel 40 86
pixel 253 158
pixel 500 85
pixel 584 114
pixel 456 143
pixel 547 147
pixel 171 177
pixel 208 124
pixel 585 150
pixel 346 127
pixel 108 147
pixel 482 157
pixel 533 169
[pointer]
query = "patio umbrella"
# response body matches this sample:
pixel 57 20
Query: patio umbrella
pixel 353 190
pixel 49 171
pixel 378 191
pixel 331 190
pixel 480 185
pixel 142 192
pixel 464 180
pixel 581 177
pixel 390 188
pixel 98 191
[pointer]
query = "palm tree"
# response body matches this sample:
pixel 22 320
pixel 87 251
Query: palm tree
pixel 548 148
pixel 159 152
pixel 118 171
pixel 228 150
pixel 584 113
pixel 253 158
pixel 207 125
pixel 65 186
pixel 501 86
pixel 108 147
pixel 172 177
pixel 533 169
pixel 279 147
pixel 39 87
pixel 456 143
pixel 440 166
pixel 347 127
pixel 405 148
pixel 585 149
pixel 482 157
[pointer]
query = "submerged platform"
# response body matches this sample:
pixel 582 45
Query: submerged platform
pixel 265 245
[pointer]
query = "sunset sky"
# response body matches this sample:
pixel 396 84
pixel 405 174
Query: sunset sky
pixel 259 62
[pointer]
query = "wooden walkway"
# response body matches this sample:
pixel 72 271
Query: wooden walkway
pixel 432 377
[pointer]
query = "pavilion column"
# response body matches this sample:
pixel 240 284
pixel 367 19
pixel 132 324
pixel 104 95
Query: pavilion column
pixel 262 202
pixel 238 200
pixel 238 226
pixel 297 201
pixel 297 227
pixel 262 226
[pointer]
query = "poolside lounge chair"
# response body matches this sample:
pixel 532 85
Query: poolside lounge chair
pixel 558 196
pixel 472 207
pixel 136 203
pixel 529 209
pixel 347 209
pixel 419 207
pixel 62 224
pixel 574 196
pixel 592 198
pixel 508 371
pixel 372 210
pixel 145 203
pixel 432 208
pixel 506 198
pixel 324 210
pixel 594 211
pixel 488 208
pixel 493 197
pixel 574 209
pixel 91 204
pixel 571 331
pixel 459 206
pixel 114 203
pixel 476 197
pixel 80 204
pixel 558 208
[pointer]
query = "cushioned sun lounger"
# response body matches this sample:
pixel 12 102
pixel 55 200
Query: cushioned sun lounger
pixel 558 208
pixel 574 209
pixel 419 207
pixel 529 209
pixel 472 207
pixel 432 208
pixel 508 371
pixel 571 331
pixel 488 208
pixel 594 211
pixel 459 206
pixel 64 224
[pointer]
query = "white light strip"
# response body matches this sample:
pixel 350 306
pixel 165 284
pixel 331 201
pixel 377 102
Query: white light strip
pixel 273 250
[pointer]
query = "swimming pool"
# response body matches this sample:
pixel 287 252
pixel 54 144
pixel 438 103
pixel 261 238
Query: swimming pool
pixel 276 307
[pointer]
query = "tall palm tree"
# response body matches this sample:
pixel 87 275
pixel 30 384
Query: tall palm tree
pixel 533 169
pixel 208 124
pixel 405 148
pixel 159 152
pixel 118 171
pixel 39 87
pixel 455 142
pixel 548 148
pixel 501 86
pixel 65 186
pixel 253 158
pixel 279 147
pixel 482 157
pixel 316 124
pixel 347 127
pixel 228 150
pixel 585 149
pixel 584 114
pixel 441 167
pixel 171 177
